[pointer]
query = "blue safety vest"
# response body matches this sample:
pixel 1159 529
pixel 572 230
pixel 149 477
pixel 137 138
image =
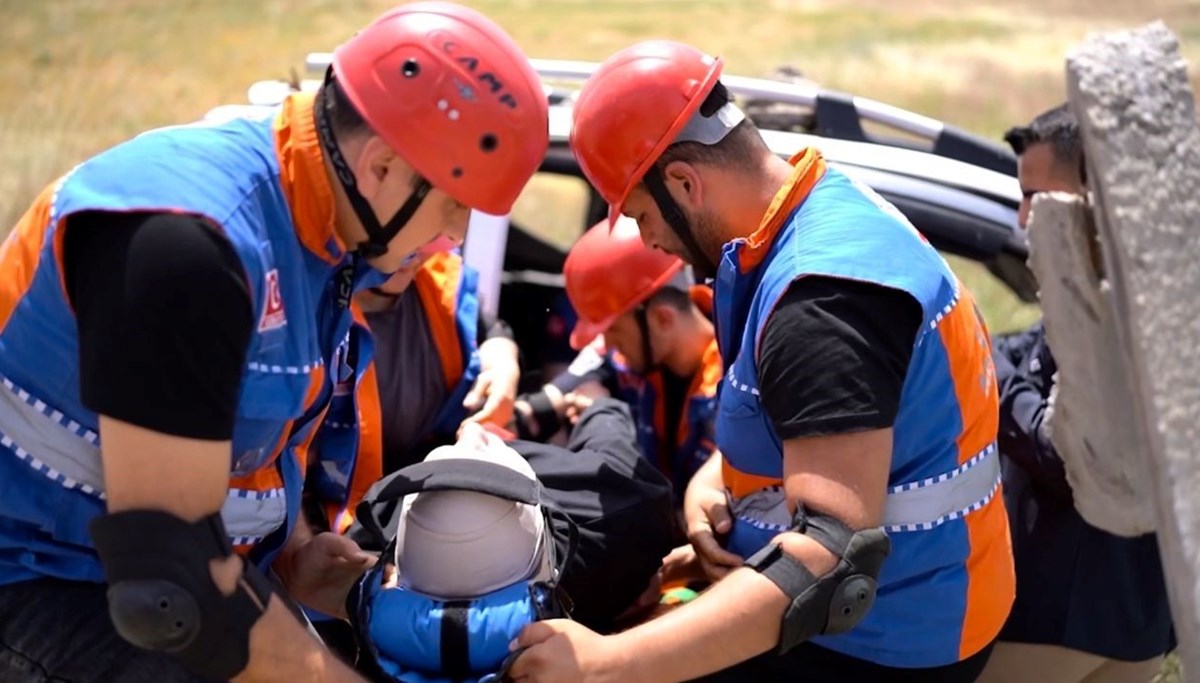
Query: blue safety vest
pixel 236 175
pixel 947 586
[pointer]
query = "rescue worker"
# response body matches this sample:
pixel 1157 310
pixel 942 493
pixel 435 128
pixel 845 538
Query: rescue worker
pixel 442 362
pixel 421 327
pixel 643 305
pixel 1091 605
pixel 172 321
pixel 864 537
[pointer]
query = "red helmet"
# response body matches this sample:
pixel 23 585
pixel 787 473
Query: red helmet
pixel 452 93
pixel 634 106
pixel 608 273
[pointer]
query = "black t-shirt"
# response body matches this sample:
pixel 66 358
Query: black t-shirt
pixel 165 317
pixel 833 356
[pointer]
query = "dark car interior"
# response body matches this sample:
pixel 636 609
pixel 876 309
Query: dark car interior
pixel 532 299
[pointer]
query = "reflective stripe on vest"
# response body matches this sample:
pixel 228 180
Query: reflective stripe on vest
pixel 68 454
pixel 66 451
pixel 923 505
pixel 250 516
pixel 915 506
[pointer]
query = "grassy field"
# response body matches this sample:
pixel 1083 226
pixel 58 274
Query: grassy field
pixel 79 75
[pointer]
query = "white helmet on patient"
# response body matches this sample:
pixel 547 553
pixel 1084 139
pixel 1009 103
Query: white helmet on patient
pixel 464 544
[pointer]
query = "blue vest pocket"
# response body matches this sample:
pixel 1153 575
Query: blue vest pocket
pixel 268 401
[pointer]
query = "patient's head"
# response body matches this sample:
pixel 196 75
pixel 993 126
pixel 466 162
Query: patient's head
pixel 463 544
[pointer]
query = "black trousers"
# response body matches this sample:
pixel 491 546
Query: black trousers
pixel 54 631
pixel 808 663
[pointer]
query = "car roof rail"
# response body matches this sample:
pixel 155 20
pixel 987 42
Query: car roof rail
pixel 837 115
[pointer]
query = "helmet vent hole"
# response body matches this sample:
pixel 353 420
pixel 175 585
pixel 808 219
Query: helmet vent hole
pixel 457 172
pixel 410 68
pixel 488 142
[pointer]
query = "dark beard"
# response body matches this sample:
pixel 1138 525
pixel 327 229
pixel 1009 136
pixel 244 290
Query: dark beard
pixel 703 271
pixel 702 266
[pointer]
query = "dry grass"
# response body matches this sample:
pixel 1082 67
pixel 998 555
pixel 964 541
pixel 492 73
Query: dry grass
pixel 80 75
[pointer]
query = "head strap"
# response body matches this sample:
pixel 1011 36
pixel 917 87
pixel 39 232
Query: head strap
pixel 378 236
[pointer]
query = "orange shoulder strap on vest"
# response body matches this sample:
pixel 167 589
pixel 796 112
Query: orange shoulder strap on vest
pixel 704 383
pixel 20 252
pixel 303 178
pixel 368 460
pixel 710 373
pixel 809 167
pixel 368 466
pixel 437 284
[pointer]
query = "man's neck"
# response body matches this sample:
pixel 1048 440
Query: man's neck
pixel 375 300
pixel 747 197
pixel 694 340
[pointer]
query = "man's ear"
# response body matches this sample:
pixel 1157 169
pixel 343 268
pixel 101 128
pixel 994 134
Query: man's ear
pixel 661 316
pixel 375 161
pixel 684 182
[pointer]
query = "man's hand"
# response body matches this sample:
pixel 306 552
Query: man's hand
pixel 495 389
pixel 320 572
pixel 576 404
pixel 682 564
pixel 679 566
pixel 582 398
pixel 644 603
pixel 563 651
pixel 706 511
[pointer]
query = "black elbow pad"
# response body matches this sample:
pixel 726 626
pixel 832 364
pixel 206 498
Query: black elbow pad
pixel 834 602
pixel 161 594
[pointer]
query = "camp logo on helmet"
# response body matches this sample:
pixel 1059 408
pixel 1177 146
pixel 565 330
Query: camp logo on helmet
pixel 486 78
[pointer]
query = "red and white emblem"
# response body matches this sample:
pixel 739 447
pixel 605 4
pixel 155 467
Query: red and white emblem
pixel 273 316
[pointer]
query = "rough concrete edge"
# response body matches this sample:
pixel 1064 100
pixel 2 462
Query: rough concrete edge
pixel 1112 489
pixel 1183 579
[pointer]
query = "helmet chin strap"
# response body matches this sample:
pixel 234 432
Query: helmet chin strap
pixel 648 363
pixel 378 236
pixel 674 217
pixel 708 114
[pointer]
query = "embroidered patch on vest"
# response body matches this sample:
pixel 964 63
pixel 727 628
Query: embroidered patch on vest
pixel 273 316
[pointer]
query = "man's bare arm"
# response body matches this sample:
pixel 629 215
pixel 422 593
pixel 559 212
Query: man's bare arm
pixel 844 476
pixel 146 470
